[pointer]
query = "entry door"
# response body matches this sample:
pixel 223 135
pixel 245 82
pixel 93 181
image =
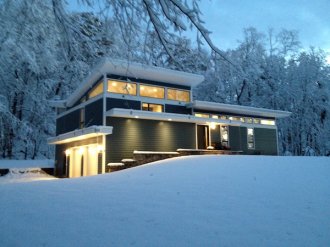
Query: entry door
pixel 202 136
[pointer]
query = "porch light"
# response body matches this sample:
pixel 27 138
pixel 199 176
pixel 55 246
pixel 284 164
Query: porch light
pixel 170 119
pixel 136 116
pixel 212 126
pixel 81 151
pixel 100 149
pixel 67 152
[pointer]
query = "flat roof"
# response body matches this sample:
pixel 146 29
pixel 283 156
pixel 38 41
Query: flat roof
pixel 134 70
pixel 237 109
pixel 80 134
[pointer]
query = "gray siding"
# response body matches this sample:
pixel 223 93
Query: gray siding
pixel 68 122
pixel 146 135
pixel 265 140
pixel 94 113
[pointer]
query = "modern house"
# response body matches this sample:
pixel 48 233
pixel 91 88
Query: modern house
pixel 124 106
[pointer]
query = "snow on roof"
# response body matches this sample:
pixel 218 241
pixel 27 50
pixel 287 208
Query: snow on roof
pixel 76 135
pixel 134 70
pixel 238 109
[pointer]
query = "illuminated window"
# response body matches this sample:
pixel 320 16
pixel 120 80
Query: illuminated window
pixel 267 122
pixel 235 118
pixel 224 136
pixel 121 87
pixel 256 121
pixel 202 115
pixel 179 95
pixel 98 89
pixel 223 117
pixel 215 116
pixel 242 119
pixel 152 91
pixel 152 107
pixel 249 120
pixel 250 138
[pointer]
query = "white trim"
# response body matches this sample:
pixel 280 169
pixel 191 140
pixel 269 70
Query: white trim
pixel 81 105
pixel 135 70
pixel 238 109
pixel 80 134
pixel 145 99
pixel 260 126
pixel 175 117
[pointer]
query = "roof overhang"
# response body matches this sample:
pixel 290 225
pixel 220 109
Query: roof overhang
pixel 237 109
pixel 163 116
pixel 80 134
pixel 134 70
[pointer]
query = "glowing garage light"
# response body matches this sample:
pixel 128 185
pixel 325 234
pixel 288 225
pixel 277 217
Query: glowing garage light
pixel 212 125
pixel 81 151
pixel 67 152
pixel 100 148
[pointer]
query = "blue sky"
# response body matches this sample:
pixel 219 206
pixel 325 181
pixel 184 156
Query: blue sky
pixel 227 19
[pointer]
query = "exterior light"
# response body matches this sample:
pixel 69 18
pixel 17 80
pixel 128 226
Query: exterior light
pixel 212 125
pixel 81 151
pixel 170 119
pixel 67 152
pixel 100 148
pixel 136 116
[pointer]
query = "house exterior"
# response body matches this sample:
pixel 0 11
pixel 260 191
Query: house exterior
pixel 124 106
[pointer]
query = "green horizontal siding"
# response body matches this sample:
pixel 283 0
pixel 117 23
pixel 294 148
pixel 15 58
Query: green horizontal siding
pixel 265 141
pixel 146 135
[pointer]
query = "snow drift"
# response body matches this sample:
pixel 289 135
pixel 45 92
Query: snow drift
pixel 185 201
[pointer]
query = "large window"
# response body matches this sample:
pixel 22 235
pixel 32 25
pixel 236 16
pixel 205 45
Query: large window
pixel 152 91
pixel 250 138
pixel 179 95
pixel 224 135
pixel 121 87
pixel 98 89
pixel 204 115
pixel 267 122
pixel 152 107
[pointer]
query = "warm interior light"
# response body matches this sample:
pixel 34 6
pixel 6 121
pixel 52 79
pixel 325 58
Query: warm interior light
pixel 155 90
pixel 215 116
pixel 142 88
pixel 67 152
pixel 114 84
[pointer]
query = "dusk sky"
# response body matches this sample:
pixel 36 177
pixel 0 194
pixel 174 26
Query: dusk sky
pixel 227 19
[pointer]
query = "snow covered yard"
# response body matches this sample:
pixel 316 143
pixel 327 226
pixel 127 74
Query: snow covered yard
pixel 185 201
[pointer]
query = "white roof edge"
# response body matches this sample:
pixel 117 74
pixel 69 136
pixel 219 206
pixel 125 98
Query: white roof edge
pixel 238 109
pixel 75 135
pixel 135 70
pixel 164 116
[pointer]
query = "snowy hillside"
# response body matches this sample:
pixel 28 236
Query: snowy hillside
pixel 186 201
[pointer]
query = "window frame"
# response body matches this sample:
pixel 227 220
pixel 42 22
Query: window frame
pixel 253 139
pixel 177 89
pixel 109 81
pixel 148 103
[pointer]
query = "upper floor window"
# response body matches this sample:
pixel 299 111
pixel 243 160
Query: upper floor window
pixel 152 91
pixel 98 89
pixel 204 115
pixel 179 95
pixel 152 107
pixel 267 122
pixel 121 87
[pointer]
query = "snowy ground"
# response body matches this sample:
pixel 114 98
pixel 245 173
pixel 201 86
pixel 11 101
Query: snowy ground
pixel 20 175
pixel 187 201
